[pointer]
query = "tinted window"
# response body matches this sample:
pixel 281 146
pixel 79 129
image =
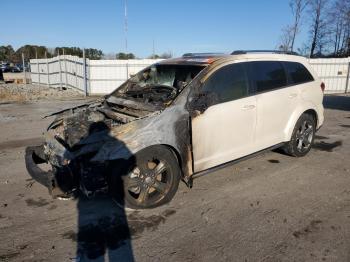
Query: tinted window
pixel 297 73
pixel 267 75
pixel 228 83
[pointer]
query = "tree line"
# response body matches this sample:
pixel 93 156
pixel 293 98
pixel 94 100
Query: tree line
pixel 8 54
pixel 328 24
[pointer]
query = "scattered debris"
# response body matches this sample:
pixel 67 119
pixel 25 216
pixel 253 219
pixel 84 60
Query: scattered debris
pixel 22 93
pixel 312 227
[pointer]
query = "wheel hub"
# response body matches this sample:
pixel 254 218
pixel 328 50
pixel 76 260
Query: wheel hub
pixel 149 180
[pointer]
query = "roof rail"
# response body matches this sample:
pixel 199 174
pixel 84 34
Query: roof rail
pixel 201 54
pixel 240 52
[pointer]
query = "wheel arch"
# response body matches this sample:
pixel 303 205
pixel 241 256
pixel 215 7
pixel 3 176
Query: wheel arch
pixel 185 172
pixel 294 118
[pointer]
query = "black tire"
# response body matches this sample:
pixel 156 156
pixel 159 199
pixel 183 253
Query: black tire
pixel 150 179
pixel 302 137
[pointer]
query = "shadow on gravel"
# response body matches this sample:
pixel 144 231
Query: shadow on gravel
pixel 337 102
pixel 104 229
pixel 102 224
pixel 328 147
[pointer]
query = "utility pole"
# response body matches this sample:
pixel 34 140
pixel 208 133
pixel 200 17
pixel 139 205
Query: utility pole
pixel 24 70
pixel 126 25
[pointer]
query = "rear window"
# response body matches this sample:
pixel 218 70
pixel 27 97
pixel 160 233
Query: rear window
pixel 297 73
pixel 267 75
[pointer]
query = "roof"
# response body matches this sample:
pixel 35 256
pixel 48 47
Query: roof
pixel 209 58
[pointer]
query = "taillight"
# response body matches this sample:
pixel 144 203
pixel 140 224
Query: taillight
pixel 323 86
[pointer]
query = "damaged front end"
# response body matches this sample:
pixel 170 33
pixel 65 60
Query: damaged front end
pixel 74 138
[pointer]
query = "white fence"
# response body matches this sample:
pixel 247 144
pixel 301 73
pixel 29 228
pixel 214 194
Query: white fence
pixel 107 75
pixel 97 77
pixel 334 72
pixel 93 77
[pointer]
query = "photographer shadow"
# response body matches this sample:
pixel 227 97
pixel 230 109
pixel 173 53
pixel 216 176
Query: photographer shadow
pixel 103 230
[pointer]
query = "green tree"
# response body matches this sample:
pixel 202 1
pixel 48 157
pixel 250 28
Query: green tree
pixel 6 53
pixel 124 56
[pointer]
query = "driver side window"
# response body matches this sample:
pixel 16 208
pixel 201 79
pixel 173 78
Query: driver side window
pixel 227 83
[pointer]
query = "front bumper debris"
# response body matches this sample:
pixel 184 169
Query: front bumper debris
pixel 34 156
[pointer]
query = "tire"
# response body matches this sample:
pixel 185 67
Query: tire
pixel 150 179
pixel 302 137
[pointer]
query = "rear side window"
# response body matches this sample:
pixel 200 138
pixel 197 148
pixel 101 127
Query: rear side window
pixel 228 83
pixel 297 73
pixel 267 75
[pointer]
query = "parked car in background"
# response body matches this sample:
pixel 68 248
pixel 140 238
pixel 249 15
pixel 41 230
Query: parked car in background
pixel 177 119
pixel 15 69
pixel 5 67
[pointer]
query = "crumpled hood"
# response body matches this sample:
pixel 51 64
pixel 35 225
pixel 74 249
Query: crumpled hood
pixel 73 125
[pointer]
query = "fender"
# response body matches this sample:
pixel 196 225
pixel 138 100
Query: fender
pixel 305 106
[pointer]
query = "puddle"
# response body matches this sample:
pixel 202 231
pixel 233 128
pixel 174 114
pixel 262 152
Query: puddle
pixel 37 203
pixel 328 147
pixel 346 126
pixel 275 161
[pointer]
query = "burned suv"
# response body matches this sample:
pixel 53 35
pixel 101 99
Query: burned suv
pixel 176 119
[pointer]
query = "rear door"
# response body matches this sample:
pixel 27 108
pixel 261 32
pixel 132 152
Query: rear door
pixel 225 130
pixel 276 101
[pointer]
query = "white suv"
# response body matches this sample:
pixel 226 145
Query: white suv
pixel 180 118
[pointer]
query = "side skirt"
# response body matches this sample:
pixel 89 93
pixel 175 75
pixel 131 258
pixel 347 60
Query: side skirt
pixel 212 169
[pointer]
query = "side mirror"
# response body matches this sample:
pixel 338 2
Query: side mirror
pixel 201 101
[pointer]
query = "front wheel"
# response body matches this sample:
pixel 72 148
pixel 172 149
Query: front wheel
pixel 151 180
pixel 302 137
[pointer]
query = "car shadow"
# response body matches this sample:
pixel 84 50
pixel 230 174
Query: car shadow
pixel 103 230
pixel 336 102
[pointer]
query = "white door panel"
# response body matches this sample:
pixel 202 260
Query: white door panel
pixel 224 132
pixel 274 110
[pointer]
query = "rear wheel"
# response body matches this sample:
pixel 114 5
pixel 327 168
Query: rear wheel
pixel 151 180
pixel 302 137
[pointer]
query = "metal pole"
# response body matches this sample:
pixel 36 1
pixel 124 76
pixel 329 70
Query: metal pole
pixel 127 69
pixel 59 62
pixel 347 78
pixel 47 70
pixel 37 64
pixel 65 69
pixel 76 73
pixel 24 70
pixel 84 72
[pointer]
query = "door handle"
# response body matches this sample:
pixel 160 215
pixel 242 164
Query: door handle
pixel 293 95
pixel 248 107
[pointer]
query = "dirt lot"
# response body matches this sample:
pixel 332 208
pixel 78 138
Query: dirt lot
pixel 269 208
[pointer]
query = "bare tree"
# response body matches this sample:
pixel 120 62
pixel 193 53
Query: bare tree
pixel 297 7
pixel 318 30
pixel 286 38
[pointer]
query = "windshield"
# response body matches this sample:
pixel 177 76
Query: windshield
pixel 158 84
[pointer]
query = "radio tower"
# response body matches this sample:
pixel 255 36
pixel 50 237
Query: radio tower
pixel 126 24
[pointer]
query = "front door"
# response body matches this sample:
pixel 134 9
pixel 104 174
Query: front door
pixel 225 130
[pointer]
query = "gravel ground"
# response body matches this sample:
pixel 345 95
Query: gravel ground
pixel 21 92
pixel 270 208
